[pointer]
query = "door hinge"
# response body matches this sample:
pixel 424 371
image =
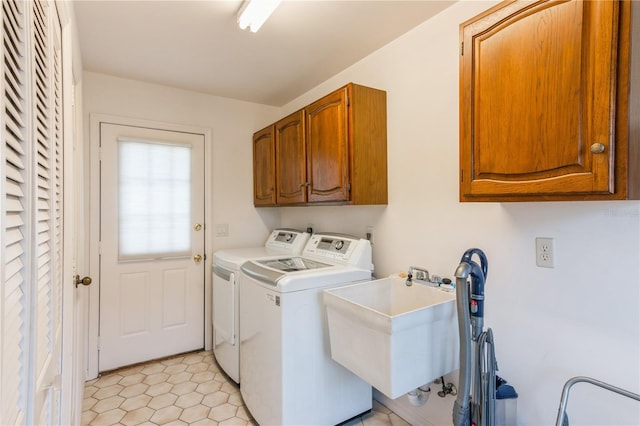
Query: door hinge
pixel 462 48
pixel 99 247
pixel 348 101
pixel 98 343
pixel 461 175
pixel 349 187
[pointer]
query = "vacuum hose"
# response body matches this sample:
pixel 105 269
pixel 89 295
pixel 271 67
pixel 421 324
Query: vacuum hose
pixel 461 411
pixel 483 403
pixel 470 313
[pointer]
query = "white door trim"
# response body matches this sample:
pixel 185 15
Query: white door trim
pixel 73 351
pixel 93 198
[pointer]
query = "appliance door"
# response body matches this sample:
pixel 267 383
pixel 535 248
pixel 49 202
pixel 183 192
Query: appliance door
pixel 271 271
pixel 225 321
pixel 261 351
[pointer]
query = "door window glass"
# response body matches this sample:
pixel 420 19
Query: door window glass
pixel 154 199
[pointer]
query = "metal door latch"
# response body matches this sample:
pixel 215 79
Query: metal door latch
pixel 83 281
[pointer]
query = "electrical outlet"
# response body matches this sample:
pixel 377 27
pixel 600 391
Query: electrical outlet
pixel 369 233
pixel 544 252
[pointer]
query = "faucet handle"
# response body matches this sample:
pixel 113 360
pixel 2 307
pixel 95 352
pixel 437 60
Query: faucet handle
pixel 409 280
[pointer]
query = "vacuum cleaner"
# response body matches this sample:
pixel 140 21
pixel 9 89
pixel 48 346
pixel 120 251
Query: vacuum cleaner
pixel 476 400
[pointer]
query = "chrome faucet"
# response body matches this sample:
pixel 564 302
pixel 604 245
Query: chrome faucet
pixel 417 273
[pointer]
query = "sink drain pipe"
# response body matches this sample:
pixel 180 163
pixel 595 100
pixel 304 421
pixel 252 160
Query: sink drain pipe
pixel 419 396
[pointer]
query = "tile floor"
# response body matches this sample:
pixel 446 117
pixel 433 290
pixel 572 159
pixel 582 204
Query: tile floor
pixel 183 390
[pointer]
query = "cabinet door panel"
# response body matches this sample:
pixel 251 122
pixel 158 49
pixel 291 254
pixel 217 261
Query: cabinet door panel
pixel 538 87
pixel 264 172
pixel 291 160
pixel 327 148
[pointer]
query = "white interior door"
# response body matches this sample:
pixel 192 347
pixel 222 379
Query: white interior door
pixel 151 244
pixel 47 177
pixel 31 213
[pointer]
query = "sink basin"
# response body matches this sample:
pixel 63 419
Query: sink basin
pixel 395 337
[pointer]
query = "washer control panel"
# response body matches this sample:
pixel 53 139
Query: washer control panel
pixel 336 247
pixel 291 240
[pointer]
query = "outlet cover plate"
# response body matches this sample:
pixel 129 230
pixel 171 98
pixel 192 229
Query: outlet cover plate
pixel 544 252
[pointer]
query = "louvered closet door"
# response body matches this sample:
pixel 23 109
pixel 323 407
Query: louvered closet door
pixel 30 314
pixel 15 273
pixel 47 137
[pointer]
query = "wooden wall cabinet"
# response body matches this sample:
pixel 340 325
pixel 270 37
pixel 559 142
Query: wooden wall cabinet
pixel 264 168
pixel 334 151
pixel 291 175
pixel 327 140
pixel 545 104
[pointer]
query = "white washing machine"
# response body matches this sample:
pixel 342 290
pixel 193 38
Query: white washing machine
pixel 226 277
pixel 288 375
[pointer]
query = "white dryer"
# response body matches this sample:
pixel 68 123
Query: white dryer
pixel 226 277
pixel 288 375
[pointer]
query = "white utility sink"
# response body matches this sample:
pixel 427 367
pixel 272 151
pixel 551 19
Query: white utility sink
pixel 395 337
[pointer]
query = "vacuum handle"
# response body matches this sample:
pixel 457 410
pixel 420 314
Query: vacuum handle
pixel 477 274
pixel 484 265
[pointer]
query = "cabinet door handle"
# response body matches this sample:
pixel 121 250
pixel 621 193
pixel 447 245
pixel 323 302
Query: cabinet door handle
pixel 597 148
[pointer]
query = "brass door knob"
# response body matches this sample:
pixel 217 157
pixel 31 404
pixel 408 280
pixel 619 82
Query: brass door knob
pixel 197 258
pixel 83 281
pixel 197 227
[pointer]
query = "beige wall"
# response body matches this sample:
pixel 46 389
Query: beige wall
pixel 232 124
pixel 580 318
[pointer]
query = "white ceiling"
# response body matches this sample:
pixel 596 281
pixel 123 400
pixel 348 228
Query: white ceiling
pixel 197 45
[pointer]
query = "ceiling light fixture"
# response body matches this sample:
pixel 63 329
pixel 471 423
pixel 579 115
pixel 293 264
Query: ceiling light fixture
pixel 255 12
